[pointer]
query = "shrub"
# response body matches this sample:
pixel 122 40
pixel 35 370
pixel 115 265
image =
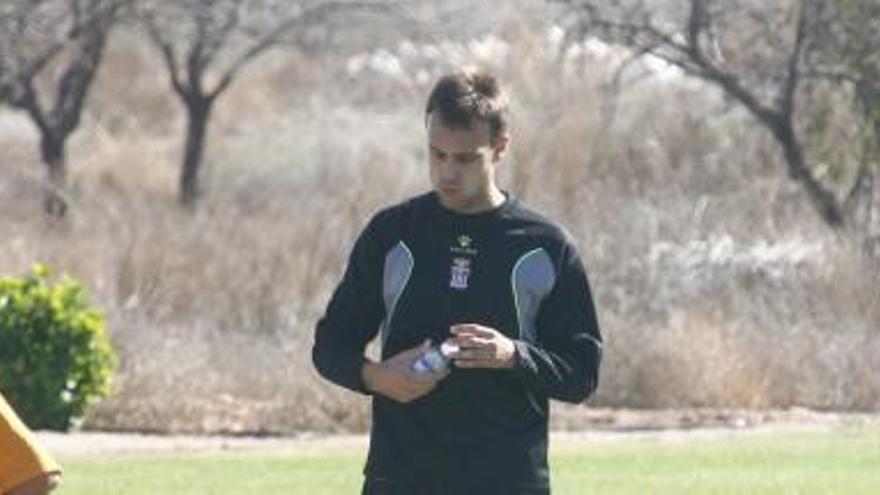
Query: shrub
pixel 55 357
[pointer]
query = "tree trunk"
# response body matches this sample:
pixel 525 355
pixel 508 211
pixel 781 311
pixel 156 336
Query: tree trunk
pixel 198 112
pixel 822 199
pixel 52 153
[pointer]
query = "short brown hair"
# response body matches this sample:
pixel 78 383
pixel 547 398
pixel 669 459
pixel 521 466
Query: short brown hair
pixel 463 97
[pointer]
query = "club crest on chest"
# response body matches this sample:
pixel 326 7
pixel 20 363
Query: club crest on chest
pixel 464 245
pixel 460 272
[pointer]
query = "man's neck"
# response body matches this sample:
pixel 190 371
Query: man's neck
pixel 491 200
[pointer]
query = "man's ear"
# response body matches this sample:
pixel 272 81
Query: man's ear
pixel 500 147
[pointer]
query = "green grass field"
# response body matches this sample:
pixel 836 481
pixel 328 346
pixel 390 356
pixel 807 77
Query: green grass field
pixel 843 462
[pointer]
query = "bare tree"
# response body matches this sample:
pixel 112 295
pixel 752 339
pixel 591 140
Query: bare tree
pixel 846 52
pixel 753 51
pixel 39 37
pixel 206 44
pixel 850 39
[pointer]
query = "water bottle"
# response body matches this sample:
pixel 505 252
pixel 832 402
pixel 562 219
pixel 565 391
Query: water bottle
pixel 436 359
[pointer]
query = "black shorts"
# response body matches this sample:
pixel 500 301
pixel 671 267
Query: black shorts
pixel 382 486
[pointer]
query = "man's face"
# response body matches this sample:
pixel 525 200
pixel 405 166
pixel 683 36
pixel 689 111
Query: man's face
pixel 463 164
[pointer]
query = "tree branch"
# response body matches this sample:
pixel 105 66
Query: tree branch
pixel 786 103
pixel 311 15
pixel 76 80
pixel 215 42
pixel 695 25
pixel 195 62
pixel 689 55
pixel 166 49
pixel 28 101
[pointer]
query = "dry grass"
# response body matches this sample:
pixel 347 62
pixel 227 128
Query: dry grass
pixel 715 283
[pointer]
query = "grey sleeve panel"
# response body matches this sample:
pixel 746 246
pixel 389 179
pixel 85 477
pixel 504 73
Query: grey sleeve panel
pixel 532 279
pixel 399 263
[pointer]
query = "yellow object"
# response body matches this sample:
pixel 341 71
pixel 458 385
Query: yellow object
pixel 21 459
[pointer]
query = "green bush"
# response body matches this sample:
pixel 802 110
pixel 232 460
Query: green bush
pixel 55 357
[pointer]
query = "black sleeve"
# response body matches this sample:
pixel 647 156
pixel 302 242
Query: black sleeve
pixel 353 315
pixel 564 365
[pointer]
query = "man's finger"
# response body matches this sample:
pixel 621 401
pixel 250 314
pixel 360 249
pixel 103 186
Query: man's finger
pixel 470 341
pixel 419 386
pixel 412 389
pixel 472 329
pixel 425 382
pixel 471 354
pixel 477 363
pixel 421 379
pixel 464 354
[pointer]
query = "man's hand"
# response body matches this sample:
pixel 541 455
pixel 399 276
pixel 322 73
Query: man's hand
pixel 482 347
pixel 395 378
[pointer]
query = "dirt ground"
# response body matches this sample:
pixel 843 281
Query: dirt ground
pixel 570 426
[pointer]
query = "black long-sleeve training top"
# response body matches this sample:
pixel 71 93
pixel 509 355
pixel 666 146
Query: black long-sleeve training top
pixel 419 268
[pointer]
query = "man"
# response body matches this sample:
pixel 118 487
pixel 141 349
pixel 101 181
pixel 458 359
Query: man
pixel 466 264
pixel 25 469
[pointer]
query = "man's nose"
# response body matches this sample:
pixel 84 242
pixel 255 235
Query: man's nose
pixel 446 169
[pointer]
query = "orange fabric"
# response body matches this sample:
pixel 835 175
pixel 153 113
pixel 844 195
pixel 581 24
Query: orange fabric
pixel 20 457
